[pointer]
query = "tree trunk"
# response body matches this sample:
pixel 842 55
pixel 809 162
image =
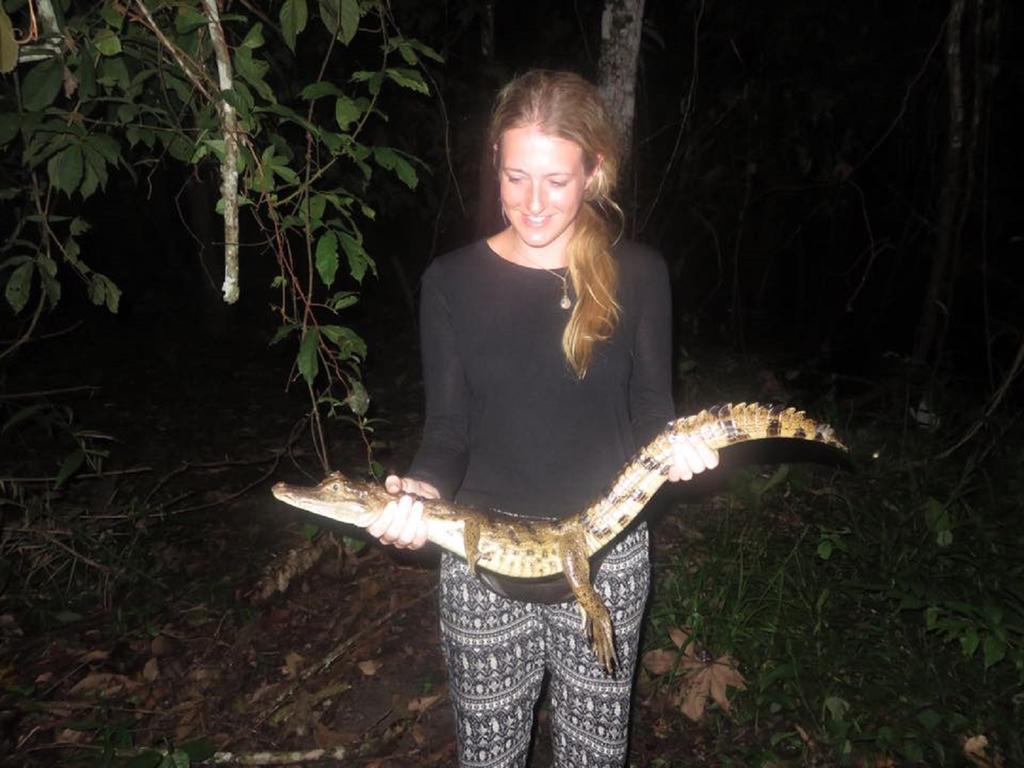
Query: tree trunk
pixel 488 208
pixel 948 240
pixel 970 82
pixel 621 24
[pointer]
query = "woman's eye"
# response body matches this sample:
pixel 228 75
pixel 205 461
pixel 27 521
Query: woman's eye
pixel 559 184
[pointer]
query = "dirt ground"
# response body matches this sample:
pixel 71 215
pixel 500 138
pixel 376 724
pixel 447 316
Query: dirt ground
pixel 174 644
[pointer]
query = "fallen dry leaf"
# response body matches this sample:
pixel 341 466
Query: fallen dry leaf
pixel 706 681
pixel 660 661
pixel 423 703
pixel 151 671
pixel 369 668
pixel 104 684
pixel 680 636
pixel 292 664
pixel 71 736
pixel 96 655
pixel 326 738
pixel 419 735
pixel 162 645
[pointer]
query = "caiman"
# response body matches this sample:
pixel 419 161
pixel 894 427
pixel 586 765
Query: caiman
pixel 527 548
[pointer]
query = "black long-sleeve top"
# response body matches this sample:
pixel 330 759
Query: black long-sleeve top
pixel 508 424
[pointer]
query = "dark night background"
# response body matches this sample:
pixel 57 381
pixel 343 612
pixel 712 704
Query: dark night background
pixel 791 161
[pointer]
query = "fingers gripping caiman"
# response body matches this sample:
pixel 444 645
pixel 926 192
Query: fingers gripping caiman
pixel 525 547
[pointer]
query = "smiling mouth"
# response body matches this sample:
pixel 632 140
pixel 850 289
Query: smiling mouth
pixel 536 221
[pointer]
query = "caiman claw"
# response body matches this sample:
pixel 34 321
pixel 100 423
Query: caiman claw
pixel 602 639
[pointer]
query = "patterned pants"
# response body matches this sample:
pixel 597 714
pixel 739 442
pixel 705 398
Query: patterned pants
pixel 498 650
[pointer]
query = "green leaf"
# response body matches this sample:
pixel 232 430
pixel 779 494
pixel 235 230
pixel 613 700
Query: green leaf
pixel 408 53
pixel 95 169
pixel 188 20
pixel 327 258
pixel 199 750
pixel 25 414
pixel 349 20
pixel 283 331
pixel 408 78
pixel 86 74
pixel 79 226
pixel 349 343
pixel 313 208
pixel 8 45
pixel 106 146
pixel 930 719
pixel 825 549
pixel 115 72
pixel 358 399
pixel 178 146
pixel 346 111
pixel 342 300
pixel 254 38
pixel 19 285
pixel 294 15
pixel 373 80
pixel 836 707
pixel 107 42
pixel 65 169
pixel 253 71
pixel 102 290
pixel 308 360
pixel 994 650
pixel 316 90
pixel 425 49
pixel 41 85
pixel 390 160
pixel 358 259
pixel 69 467
pixel 9 127
pixel 112 17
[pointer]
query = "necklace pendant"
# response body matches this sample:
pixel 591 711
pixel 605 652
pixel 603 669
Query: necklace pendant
pixel 566 302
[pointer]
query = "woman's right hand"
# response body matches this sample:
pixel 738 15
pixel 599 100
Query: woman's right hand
pixel 401 522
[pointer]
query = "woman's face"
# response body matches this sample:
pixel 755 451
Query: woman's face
pixel 542 184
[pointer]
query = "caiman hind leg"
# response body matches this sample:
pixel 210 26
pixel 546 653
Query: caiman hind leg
pixel 597 623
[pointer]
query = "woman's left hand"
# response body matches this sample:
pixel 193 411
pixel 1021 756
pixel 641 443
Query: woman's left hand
pixel 692 456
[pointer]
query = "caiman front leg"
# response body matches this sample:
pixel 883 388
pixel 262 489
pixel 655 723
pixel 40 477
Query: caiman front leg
pixel 471 542
pixel 597 623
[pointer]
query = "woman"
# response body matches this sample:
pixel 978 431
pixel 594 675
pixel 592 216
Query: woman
pixel 546 358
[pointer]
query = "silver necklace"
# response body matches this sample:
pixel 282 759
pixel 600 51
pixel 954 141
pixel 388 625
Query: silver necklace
pixel 565 302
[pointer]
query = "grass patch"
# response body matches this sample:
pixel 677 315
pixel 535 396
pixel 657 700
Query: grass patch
pixel 876 616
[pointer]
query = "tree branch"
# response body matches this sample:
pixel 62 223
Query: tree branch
pixel 229 167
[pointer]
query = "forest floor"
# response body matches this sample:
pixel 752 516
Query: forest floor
pixel 173 644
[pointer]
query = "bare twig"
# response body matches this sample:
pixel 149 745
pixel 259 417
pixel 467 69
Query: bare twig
pixel 994 402
pixel 82 476
pixel 687 109
pixel 70 550
pixel 244 490
pixel 340 650
pixel 50 392
pixel 194 74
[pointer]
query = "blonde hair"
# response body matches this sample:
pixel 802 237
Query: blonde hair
pixel 565 105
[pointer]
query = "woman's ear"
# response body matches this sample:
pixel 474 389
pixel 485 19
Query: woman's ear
pixel 595 178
